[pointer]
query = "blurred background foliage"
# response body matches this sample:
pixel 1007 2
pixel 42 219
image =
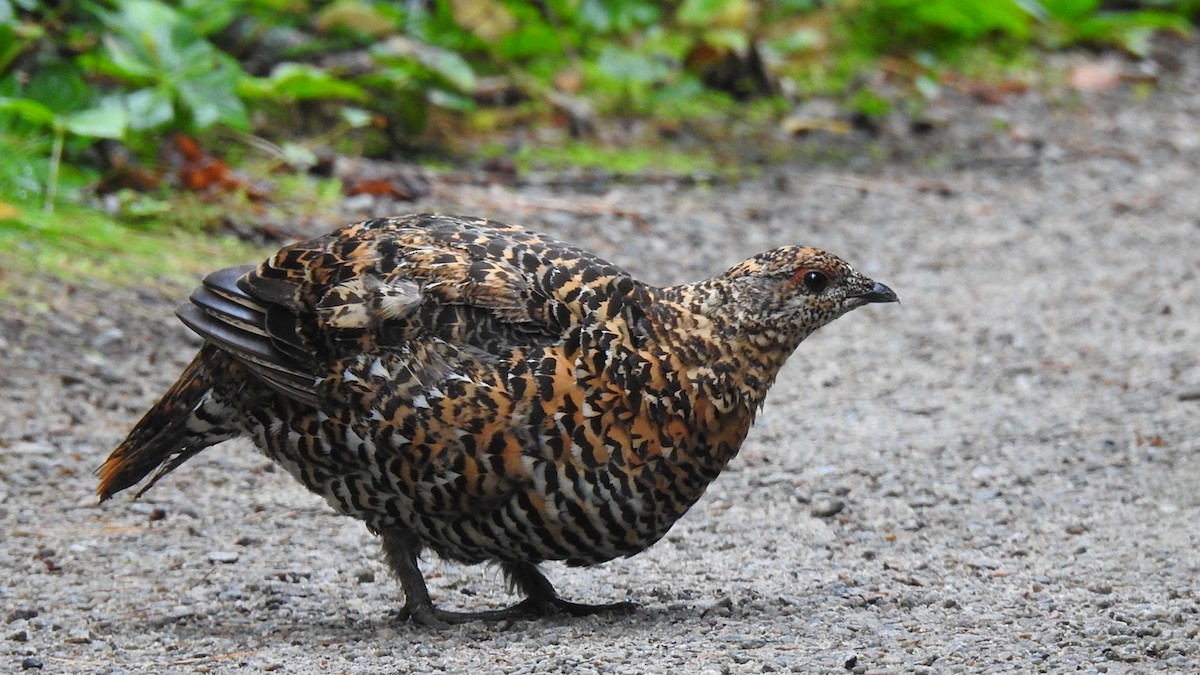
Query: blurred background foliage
pixel 122 106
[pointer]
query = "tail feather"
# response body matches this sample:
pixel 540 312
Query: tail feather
pixel 192 415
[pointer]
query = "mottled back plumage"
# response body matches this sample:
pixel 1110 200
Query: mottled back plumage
pixel 485 391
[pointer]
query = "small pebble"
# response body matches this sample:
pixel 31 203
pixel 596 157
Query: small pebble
pixel 31 663
pixel 826 507
pixel 178 615
pixel 223 557
pixel 19 614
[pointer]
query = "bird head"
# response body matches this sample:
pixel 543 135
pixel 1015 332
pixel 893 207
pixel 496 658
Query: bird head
pixel 798 289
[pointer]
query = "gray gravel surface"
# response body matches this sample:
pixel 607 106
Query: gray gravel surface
pixel 1000 474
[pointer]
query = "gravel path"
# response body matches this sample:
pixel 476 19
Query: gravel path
pixel 1000 474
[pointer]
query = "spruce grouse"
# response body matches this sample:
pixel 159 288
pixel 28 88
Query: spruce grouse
pixel 486 392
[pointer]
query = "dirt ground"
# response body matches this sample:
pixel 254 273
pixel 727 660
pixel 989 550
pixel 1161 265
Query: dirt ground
pixel 1002 474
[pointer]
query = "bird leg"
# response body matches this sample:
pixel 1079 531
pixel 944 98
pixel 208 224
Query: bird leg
pixel 401 549
pixel 541 598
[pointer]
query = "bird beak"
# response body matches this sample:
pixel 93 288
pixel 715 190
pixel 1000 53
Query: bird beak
pixel 878 293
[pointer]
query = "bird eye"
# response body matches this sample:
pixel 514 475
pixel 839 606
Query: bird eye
pixel 816 282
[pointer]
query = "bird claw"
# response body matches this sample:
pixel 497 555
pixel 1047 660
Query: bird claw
pixel 580 609
pixel 426 614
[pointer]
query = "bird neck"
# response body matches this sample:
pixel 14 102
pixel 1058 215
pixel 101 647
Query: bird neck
pixel 727 355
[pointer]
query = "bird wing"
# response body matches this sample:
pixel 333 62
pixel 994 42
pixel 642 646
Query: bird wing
pixel 469 281
pixel 396 329
pixel 239 324
pixel 384 282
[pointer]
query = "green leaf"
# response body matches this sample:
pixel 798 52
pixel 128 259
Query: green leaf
pixel 532 40
pixel 25 172
pixel 731 39
pixel 145 37
pixel 103 122
pixel 29 110
pixel 60 86
pixel 621 64
pixel 208 17
pixel 212 99
pixel 1136 40
pixel 704 13
pixel 123 61
pixel 357 118
pixel 290 82
pixel 970 20
pixel 450 100
pixel 596 15
pixel 452 67
pixel 154 47
pixel 1131 31
pixel 400 76
pixel 448 65
pixel 1070 10
pixel 617 16
pixel 149 108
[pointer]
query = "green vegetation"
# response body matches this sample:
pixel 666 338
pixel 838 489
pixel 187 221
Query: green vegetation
pixel 621 161
pixel 84 246
pixel 91 90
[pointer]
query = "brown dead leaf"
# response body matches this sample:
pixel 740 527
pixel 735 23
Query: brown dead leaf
pixel 381 179
pixel 998 93
pixel 989 93
pixel 195 169
pixel 379 187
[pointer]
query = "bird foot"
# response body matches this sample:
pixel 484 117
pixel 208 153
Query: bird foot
pixel 530 608
pixel 580 609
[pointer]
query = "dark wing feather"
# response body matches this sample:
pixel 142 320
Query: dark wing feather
pixel 225 316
